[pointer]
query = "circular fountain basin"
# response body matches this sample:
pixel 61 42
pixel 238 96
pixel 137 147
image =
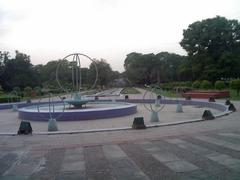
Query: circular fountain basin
pixel 93 110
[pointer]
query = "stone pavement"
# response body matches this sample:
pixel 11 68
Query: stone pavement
pixel 212 155
pixel 9 122
pixel 203 150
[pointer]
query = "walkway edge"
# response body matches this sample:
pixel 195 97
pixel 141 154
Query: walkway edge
pixel 115 129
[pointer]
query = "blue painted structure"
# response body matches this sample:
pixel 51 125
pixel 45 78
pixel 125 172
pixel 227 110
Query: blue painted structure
pixel 105 112
pixel 123 109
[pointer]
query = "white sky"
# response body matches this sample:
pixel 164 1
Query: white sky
pixel 110 29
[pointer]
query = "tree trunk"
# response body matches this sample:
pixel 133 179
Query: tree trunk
pixel 158 78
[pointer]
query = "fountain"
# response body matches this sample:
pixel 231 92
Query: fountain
pixel 84 108
pixel 77 99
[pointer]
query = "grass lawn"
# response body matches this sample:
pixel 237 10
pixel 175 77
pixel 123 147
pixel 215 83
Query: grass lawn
pixel 167 93
pixel 130 90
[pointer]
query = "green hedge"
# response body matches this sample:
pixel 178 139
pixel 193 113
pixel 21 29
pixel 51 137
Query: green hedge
pixel 219 85
pixel 196 84
pixel 205 84
pixel 7 99
pixel 172 85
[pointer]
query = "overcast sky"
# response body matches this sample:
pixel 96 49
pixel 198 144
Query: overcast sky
pixel 109 29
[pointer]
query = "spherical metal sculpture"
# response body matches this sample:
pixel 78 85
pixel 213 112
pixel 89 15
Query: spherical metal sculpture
pixel 77 101
pixel 153 108
pixel 179 108
pixel 50 113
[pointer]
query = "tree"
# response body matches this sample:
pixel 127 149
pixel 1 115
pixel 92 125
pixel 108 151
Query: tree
pixel 133 68
pixel 18 71
pixel 104 73
pixel 4 56
pixel 185 70
pixel 229 64
pixel 170 66
pixel 212 36
pixel 150 69
pixel 47 74
pixel 213 46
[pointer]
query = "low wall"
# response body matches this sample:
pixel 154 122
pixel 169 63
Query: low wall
pixel 107 113
pixel 207 94
pixel 78 115
pixel 214 105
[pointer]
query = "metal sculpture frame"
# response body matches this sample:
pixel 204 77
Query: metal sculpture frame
pixel 51 107
pixel 158 106
pixel 77 78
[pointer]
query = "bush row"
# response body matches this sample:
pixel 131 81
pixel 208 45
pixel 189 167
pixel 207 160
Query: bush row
pixel 219 85
pixel 7 99
pixel 204 84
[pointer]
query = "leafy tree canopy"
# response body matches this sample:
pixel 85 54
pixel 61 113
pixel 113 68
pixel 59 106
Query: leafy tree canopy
pixel 213 47
pixel 149 68
pixel 17 71
pixel 105 73
pixel 211 36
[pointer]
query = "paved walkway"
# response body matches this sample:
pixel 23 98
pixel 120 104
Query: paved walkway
pixel 212 155
pixel 9 122
pixel 203 150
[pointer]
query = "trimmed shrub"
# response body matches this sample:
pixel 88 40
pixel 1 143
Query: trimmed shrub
pixel 8 98
pixel 205 84
pixel 196 84
pixel 38 91
pixel 219 85
pixel 27 91
pixel 235 84
pixel 188 83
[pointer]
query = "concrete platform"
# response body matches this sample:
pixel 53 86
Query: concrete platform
pixel 201 150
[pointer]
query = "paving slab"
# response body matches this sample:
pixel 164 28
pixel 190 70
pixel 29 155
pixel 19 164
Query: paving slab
pixel 187 151
pixel 181 166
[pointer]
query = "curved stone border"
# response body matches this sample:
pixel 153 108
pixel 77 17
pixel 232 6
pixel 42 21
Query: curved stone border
pixel 9 105
pixel 214 105
pixel 219 106
pixel 19 105
pixel 123 109
pixel 101 113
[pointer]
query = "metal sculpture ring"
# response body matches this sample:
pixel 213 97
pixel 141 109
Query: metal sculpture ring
pixel 76 71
